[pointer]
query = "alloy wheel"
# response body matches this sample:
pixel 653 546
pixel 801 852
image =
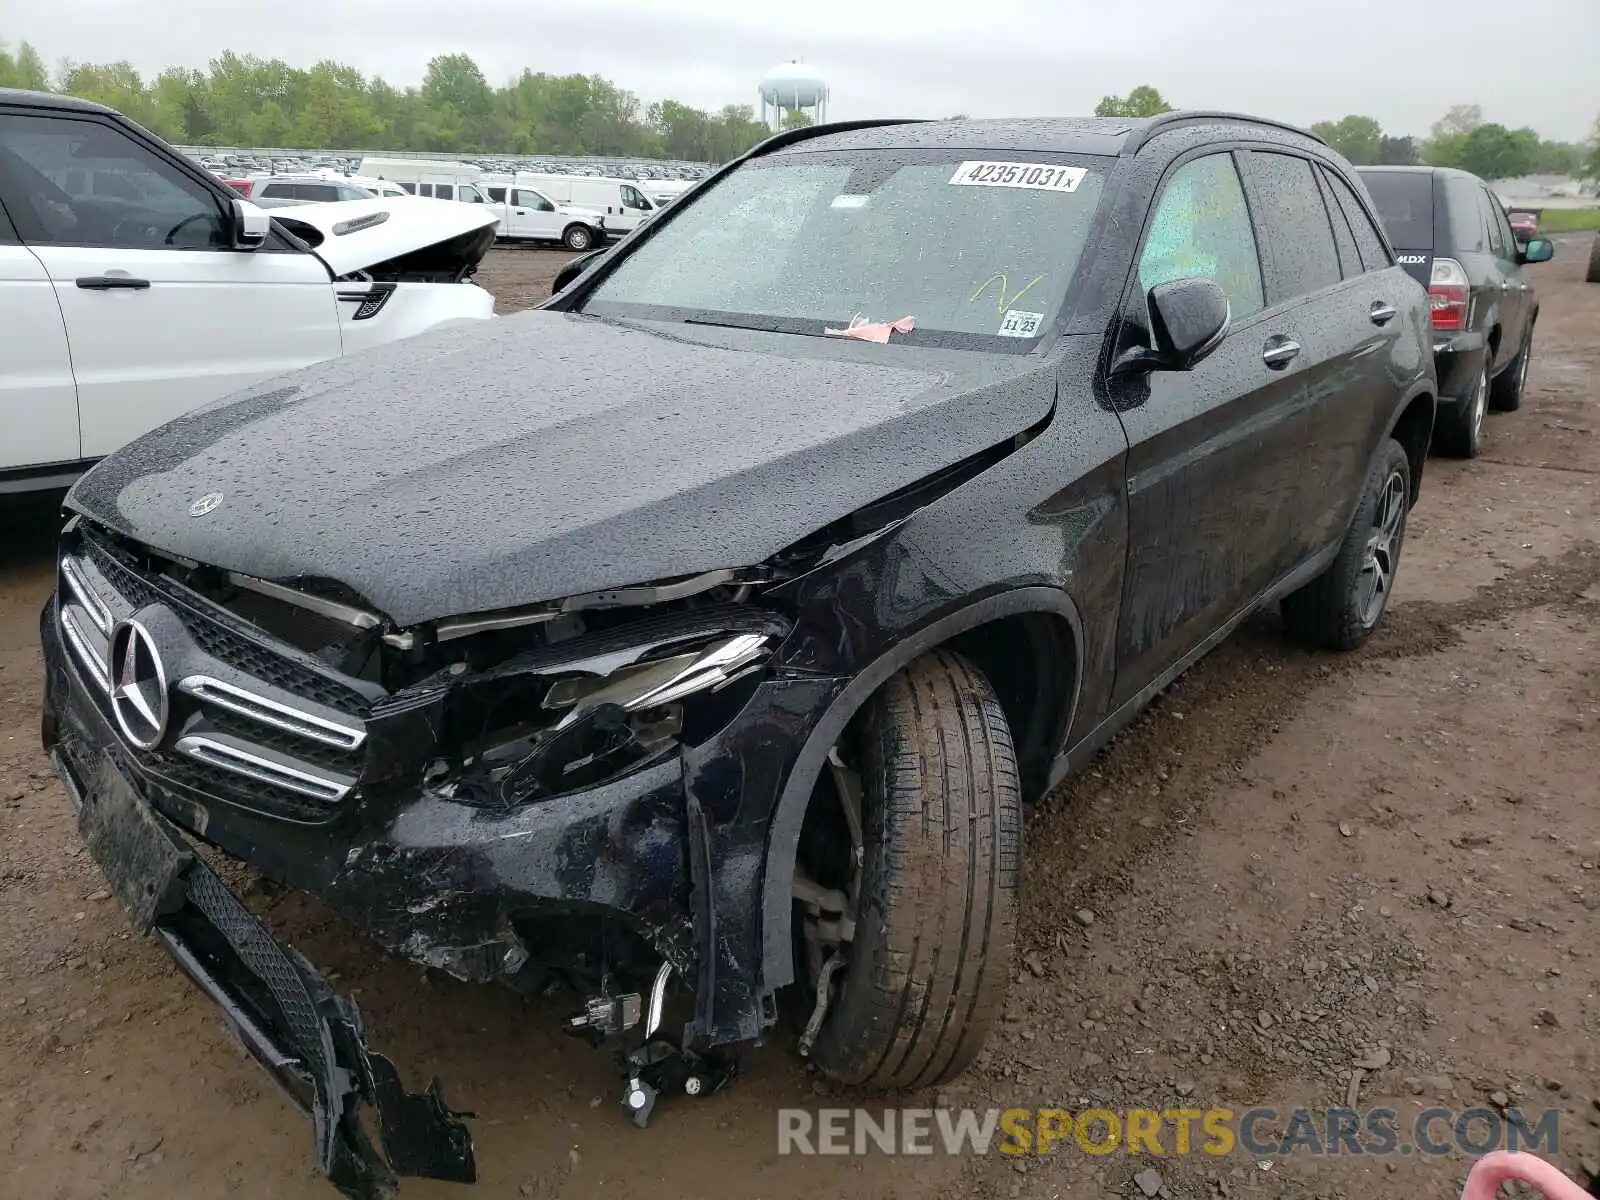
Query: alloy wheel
pixel 1383 549
pixel 1480 405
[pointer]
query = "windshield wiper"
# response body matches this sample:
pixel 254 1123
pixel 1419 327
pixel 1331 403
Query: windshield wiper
pixel 759 324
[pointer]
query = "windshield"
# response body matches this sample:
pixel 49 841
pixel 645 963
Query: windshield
pixel 977 253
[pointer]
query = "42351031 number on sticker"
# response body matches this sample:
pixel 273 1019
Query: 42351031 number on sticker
pixel 1038 176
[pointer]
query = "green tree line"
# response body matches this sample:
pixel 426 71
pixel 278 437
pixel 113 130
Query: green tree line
pixel 244 100
pixel 1460 138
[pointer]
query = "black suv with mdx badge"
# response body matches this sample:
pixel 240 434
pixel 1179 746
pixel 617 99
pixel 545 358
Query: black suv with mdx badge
pixel 1454 237
pixel 704 649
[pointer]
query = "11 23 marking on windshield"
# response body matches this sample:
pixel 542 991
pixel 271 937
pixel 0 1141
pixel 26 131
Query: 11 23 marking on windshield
pixel 1019 324
pixel 1036 176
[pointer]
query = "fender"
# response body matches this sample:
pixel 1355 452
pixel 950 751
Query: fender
pixel 783 835
pixel 1419 387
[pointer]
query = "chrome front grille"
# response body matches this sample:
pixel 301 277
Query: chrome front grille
pixel 241 731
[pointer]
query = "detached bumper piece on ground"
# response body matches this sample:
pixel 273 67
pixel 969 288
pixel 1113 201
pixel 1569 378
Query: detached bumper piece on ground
pixel 286 1014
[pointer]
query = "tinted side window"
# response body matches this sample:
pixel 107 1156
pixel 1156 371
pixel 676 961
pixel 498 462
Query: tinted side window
pixel 1374 257
pixel 81 183
pixel 318 191
pixel 1501 230
pixel 1349 257
pixel 1294 225
pixel 1469 232
pixel 1201 227
pixel 497 194
pixel 409 188
pixel 444 191
pixel 276 191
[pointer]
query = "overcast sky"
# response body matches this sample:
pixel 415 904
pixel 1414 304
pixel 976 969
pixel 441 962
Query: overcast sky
pixel 1527 62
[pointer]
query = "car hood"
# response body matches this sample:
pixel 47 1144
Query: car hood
pixel 546 455
pixel 337 231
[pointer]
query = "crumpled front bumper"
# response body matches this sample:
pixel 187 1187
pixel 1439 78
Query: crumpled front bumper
pixel 284 1012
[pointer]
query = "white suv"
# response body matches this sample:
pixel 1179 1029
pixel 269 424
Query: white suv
pixel 134 286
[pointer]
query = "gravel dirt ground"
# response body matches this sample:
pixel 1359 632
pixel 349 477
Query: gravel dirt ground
pixel 1297 877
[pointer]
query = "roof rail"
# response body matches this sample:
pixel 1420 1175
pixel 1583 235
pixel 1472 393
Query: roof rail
pixel 789 137
pixel 1164 121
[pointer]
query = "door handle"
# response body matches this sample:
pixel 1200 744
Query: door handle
pixel 1278 354
pixel 1381 312
pixel 110 283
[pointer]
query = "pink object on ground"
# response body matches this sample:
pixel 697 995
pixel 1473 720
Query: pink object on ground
pixel 1490 1171
pixel 874 331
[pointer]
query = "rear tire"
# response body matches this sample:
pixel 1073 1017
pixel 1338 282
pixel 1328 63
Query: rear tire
pixel 1340 608
pixel 1594 261
pixel 1505 393
pixel 577 237
pixel 936 924
pixel 1458 430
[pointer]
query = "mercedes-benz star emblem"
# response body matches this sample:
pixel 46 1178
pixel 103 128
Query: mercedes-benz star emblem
pixel 204 504
pixel 138 685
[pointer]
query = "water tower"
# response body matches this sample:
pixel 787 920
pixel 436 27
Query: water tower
pixel 793 87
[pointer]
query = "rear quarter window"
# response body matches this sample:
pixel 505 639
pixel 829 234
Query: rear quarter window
pixel 1405 206
pixel 1464 216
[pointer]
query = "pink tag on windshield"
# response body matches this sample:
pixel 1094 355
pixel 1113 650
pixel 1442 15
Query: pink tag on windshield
pixel 874 331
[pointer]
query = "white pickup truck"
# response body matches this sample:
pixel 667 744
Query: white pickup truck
pixel 134 286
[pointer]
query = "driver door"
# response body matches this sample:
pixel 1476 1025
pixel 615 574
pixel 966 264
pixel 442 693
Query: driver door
pixel 532 215
pixel 161 314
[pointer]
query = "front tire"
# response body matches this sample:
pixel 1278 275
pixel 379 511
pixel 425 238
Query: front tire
pixel 577 237
pixel 1340 608
pixel 935 925
pixel 1594 261
pixel 1458 430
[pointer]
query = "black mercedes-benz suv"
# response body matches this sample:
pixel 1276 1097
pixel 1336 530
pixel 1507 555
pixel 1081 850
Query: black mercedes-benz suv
pixel 1453 235
pixel 699 638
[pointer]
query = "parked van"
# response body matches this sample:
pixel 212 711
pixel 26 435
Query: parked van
pixel 620 201
pixel 665 191
pixel 437 178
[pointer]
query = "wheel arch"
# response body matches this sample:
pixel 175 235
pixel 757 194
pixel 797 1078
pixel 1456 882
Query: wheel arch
pixel 1412 427
pixel 988 631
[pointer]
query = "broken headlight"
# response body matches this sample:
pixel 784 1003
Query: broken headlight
pixel 595 720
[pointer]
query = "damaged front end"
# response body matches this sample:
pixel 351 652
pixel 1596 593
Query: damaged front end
pixel 577 793
pixel 285 1014
pixel 502 798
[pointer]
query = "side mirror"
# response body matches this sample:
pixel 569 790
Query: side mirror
pixel 1188 318
pixel 247 224
pixel 572 270
pixel 1538 250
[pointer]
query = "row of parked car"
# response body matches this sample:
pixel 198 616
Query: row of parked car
pixel 575 211
pixel 699 638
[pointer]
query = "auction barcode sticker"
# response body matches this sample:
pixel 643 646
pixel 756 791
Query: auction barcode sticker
pixel 1019 175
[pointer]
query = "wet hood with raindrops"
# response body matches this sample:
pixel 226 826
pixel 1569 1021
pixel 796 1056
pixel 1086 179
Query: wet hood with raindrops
pixel 509 462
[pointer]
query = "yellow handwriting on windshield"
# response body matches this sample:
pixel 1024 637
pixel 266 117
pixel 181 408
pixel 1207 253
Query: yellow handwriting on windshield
pixel 1001 301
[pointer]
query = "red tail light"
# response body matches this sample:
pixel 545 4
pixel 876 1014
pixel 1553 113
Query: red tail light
pixel 242 186
pixel 1449 295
